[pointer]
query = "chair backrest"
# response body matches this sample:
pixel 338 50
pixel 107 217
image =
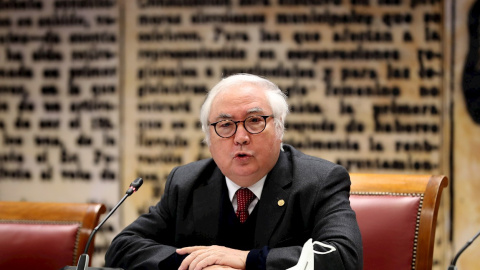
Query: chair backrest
pixel 40 235
pixel 397 216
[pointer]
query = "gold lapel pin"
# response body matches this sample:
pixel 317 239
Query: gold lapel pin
pixel 281 202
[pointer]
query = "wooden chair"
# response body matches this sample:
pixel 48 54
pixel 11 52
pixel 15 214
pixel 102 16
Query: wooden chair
pixel 38 235
pixel 397 216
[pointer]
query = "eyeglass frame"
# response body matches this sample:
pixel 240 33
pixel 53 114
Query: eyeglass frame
pixel 236 125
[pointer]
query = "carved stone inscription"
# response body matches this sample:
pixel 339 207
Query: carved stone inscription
pixel 364 78
pixel 60 102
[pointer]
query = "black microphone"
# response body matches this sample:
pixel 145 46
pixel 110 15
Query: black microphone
pixel 83 259
pixel 454 261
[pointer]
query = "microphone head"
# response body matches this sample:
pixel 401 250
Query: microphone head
pixel 134 186
pixel 137 183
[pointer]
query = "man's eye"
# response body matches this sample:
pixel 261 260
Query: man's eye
pixel 225 124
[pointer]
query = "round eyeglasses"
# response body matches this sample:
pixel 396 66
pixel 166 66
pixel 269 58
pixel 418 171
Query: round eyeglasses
pixel 253 124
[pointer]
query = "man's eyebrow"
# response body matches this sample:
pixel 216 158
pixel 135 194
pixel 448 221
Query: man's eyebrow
pixel 255 110
pixel 223 116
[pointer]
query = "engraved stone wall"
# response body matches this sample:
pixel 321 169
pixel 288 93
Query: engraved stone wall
pixel 96 93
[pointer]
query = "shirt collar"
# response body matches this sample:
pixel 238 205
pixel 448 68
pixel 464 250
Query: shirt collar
pixel 255 188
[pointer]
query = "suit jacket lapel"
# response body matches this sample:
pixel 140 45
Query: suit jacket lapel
pixel 206 207
pixel 271 207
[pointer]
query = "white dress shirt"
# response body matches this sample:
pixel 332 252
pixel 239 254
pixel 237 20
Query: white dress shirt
pixel 255 188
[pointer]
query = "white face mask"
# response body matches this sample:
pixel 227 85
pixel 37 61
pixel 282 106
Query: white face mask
pixel 305 262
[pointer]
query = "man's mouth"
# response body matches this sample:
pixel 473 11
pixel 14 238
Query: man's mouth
pixel 241 155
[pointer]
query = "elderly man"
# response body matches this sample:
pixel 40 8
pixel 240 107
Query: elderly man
pixel 253 204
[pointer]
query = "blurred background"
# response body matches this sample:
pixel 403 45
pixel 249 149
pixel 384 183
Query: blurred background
pixel 96 93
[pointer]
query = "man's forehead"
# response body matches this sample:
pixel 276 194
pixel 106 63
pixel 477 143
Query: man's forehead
pixel 240 100
pixel 253 110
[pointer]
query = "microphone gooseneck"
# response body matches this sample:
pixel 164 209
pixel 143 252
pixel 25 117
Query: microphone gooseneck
pixel 134 186
pixel 454 261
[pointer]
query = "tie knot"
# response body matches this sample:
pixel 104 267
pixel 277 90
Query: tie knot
pixel 244 197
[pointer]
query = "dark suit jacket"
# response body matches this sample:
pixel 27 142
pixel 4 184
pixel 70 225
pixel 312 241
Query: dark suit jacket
pixel 316 196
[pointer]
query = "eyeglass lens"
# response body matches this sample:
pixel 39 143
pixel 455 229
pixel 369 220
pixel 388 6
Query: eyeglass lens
pixel 253 124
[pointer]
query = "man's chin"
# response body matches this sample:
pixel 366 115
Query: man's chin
pixel 245 178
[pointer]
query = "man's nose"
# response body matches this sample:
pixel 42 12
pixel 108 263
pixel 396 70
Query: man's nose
pixel 242 136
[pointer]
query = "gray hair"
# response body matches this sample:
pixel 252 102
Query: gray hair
pixel 276 98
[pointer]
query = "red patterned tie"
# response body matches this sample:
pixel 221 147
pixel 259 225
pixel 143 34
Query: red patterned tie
pixel 244 198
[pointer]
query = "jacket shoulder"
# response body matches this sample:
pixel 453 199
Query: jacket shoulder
pixel 194 172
